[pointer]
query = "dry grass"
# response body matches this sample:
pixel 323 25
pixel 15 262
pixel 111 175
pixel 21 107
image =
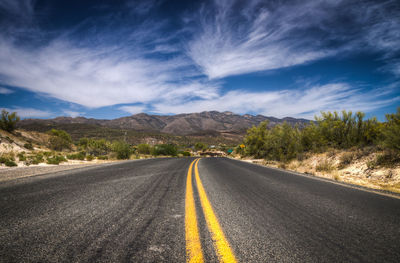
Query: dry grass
pixel 367 167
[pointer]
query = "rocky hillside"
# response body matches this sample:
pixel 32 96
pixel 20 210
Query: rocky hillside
pixel 204 123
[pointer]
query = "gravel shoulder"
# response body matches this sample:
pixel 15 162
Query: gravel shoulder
pixel 7 174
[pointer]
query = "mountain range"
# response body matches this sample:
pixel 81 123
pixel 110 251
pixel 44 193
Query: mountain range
pixel 203 123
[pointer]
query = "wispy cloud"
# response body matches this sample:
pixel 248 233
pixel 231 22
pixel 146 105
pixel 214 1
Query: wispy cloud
pixel 30 112
pixel 107 60
pixel 237 37
pixel 304 102
pixel 99 75
pixel 133 109
pixel 72 113
pixel 5 91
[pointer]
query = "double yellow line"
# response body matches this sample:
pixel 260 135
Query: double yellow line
pixel 194 252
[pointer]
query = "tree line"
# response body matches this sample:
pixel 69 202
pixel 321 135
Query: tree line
pixel 343 130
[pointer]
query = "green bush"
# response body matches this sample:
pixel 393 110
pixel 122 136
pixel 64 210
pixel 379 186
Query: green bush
pixel 165 149
pixel 143 148
pixel 199 146
pixel 331 130
pixel 56 159
pixel 38 158
pixel 98 147
pixel 122 149
pixel 76 156
pixel 102 157
pixel 28 146
pixel 8 121
pixel 186 154
pixel 89 158
pixel 59 140
pixel 388 159
pixel 391 131
pixel 10 163
pixel 21 157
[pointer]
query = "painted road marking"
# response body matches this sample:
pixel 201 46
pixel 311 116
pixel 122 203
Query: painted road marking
pixel 194 253
pixel 221 245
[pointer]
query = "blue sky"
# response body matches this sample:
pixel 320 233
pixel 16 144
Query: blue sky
pixel 106 59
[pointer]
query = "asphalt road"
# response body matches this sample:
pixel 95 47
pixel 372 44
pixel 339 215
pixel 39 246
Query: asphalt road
pixel 138 211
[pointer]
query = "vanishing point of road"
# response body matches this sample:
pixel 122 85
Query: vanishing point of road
pixel 193 210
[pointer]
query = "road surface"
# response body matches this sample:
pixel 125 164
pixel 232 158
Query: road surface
pixel 230 211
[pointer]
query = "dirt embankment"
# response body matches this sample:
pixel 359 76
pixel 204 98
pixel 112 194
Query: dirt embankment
pixel 359 167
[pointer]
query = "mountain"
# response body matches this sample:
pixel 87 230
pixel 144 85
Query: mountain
pixel 203 123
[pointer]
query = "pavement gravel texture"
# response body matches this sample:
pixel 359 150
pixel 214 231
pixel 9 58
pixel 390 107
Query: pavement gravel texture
pixel 135 212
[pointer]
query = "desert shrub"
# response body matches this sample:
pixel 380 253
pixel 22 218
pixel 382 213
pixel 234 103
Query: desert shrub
pixel 256 140
pixel 8 121
pixel 346 159
pixel 89 158
pixel 388 158
pixel 10 163
pixel 21 157
pixel 102 157
pixel 59 140
pixel 301 156
pixel 371 164
pixel 391 131
pixel 324 166
pixel 28 146
pixel 77 156
pixel 83 142
pixel 98 147
pixel 122 150
pixel 9 139
pixel 56 159
pixel 186 153
pixel 282 165
pixel 389 174
pixel 3 159
pixel 61 134
pixel 36 159
pixel 143 148
pixel 199 146
pixel 9 156
pixel 330 130
pixel 165 149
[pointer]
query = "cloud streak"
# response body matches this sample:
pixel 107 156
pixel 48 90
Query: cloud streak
pixel 236 38
pixel 30 112
pixel 147 65
pixel 304 103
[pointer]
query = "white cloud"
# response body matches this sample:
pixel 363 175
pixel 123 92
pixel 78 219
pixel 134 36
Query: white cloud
pixel 29 112
pixel 97 76
pixel 303 103
pixel 5 91
pixel 141 64
pixel 72 114
pixel 133 109
pixel 237 37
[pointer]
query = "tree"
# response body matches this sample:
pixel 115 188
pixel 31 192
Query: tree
pixel 199 146
pixel 59 140
pixel 391 131
pixel 8 121
pixel 122 149
pixel 256 139
pixel 61 134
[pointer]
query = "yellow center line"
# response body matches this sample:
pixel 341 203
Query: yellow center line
pixel 194 253
pixel 221 245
